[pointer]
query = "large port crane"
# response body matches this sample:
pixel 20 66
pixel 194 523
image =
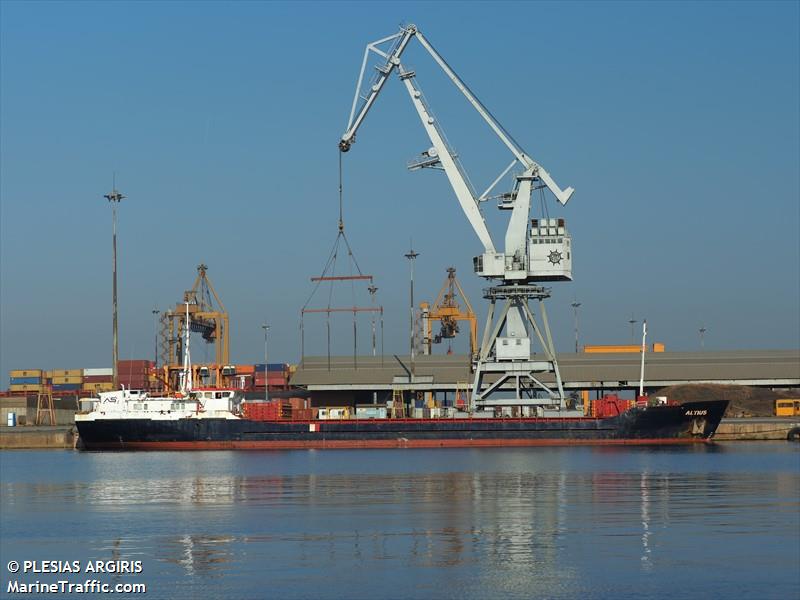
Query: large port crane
pixel 447 311
pixel 201 311
pixel 536 250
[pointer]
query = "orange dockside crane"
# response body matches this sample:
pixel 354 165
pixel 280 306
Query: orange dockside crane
pixel 448 312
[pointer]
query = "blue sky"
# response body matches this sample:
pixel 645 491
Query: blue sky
pixel 677 124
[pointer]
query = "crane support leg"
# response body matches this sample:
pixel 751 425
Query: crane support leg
pixel 518 372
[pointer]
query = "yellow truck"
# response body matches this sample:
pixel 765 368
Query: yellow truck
pixel 787 407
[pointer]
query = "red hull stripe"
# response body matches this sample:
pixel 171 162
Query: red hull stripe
pixel 397 443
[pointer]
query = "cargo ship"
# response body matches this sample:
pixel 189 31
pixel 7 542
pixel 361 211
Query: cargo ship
pixel 220 418
pixel 215 419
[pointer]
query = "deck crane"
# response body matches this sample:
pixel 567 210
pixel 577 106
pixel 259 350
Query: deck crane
pixel 536 250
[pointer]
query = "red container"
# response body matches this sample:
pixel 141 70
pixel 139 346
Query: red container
pixel 134 365
pixel 297 403
pixel 610 405
pixel 304 414
pixel 98 378
pixel 263 411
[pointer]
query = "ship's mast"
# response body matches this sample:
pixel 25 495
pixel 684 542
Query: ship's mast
pixel 186 384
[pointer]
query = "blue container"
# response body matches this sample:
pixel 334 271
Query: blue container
pixel 25 380
pixel 66 387
pixel 272 367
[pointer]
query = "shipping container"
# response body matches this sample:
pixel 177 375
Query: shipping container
pixel 98 378
pixel 62 379
pixel 623 349
pixel 610 405
pixel 266 411
pixel 333 412
pixel 245 369
pixel 25 387
pixel 66 387
pixel 298 403
pixel 271 367
pixel 133 367
pixel 371 411
pixel 25 380
pixel 304 414
pixel 104 372
pixel 25 373
pixel 66 373
pixel 270 376
pixel 98 387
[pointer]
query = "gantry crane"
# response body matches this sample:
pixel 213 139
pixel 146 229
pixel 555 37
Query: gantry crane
pixel 535 251
pixel 448 312
pixel 206 315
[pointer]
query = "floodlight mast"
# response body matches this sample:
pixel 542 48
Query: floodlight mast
pixel 524 261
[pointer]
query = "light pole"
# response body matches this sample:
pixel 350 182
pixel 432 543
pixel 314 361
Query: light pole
pixel 702 332
pixel 633 322
pixel 412 256
pixel 575 305
pixel 114 198
pixel 372 289
pixel 265 327
pixel 155 312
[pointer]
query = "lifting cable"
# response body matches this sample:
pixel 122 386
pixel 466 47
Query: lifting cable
pixel 329 275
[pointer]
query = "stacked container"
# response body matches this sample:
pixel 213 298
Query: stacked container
pixel 66 380
pixel 26 380
pixel 98 380
pixel 267 411
pixel 134 374
pixel 273 375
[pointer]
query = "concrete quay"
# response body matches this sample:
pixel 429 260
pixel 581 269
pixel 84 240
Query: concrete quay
pixel 766 428
pixel 60 436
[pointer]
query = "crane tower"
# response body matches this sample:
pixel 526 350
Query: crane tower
pixel 536 250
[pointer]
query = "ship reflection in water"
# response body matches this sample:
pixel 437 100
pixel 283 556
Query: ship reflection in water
pixel 425 524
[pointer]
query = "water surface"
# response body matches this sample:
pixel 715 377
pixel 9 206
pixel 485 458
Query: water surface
pixel 589 522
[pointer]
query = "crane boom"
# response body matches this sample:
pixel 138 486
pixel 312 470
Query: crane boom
pixel 458 181
pixel 392 60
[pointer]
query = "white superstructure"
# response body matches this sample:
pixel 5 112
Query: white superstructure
pixel 138 404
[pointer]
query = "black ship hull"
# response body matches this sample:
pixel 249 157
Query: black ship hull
pixel 687 423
